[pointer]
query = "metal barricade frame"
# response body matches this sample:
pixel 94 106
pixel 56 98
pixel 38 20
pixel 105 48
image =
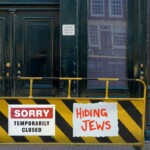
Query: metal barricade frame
pixel 60 101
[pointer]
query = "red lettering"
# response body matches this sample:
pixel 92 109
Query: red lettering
pixel 81 113
pixel 88 125
pixel 100 126
pixel 108 126
pixel 87 113
pixel 85 126
pixel 97 112
pixel 91 125
pixel 78 113
pixel 104 112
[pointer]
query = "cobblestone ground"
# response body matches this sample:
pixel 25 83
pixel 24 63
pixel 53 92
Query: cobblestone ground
pixel 69 147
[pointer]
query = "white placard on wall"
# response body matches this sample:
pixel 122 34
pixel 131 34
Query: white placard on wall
pixel 95 120
pixel 68 30
pixel 31 120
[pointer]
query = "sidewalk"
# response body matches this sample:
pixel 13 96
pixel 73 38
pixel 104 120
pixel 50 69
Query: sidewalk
pixel 69 147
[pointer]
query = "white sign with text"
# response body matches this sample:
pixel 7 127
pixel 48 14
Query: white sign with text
pixel 31 120
pixel 95 120
pixel 68 30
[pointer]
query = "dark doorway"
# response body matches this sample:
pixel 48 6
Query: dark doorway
pixel 29 47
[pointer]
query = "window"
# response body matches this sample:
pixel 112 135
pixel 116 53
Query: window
pixel 119 37
pixel 97 8
pixel 93 36
pixel 115 8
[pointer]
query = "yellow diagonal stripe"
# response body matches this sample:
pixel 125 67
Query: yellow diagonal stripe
pixel 65 113
pixel 63 110
pixel 27 101
pixel 129 123
pixel 87 101
pixel 138 105
pixel 4 107
pixel 34 139
pixel 4 138
pixel 117 139
pixel 60 137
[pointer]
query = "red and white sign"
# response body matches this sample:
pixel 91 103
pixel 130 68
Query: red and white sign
pixel 95 120
pixel 31 120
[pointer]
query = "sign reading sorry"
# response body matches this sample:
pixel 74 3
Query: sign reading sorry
pixel 95 120
pixel 31 120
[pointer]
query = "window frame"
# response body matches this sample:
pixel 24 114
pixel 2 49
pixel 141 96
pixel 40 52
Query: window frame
pixel 83 53
pixel 96 15
pixel 110 10
pixel 98 36
pixel 122 47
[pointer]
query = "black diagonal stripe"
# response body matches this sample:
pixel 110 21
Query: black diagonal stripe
pixel 62 124
pixel 67 129
pixel 4 124
pixel 96 101
pixel 126 134
pixel 13 101
pixel 69 104
pixel 41 101
pixel 104 140
pixel 132 111
pixel 4 121
pixel 48 139
pixel 20 139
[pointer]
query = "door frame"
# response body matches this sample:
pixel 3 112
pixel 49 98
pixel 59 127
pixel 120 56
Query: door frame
pixel 12 9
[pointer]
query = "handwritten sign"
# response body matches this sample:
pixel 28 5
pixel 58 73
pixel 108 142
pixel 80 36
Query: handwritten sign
pixel 31 120
pixel 95 120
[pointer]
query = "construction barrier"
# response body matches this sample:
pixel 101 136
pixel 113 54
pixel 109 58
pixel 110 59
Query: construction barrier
pixel 73 120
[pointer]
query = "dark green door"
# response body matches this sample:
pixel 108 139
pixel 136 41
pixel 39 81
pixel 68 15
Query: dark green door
pixel 4 52
pixel 30 48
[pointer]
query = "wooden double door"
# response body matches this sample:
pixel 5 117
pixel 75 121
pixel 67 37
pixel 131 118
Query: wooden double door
pixel 29 47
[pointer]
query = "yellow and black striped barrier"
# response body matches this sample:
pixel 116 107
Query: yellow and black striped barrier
pixel 73 120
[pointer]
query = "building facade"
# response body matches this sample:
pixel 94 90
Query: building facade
pixel 77 38
pixel 107 28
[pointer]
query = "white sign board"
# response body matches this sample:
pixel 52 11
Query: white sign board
pixel 95 120
pixel 68 30
pixel 31 120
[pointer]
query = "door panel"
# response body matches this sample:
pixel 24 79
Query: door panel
pixel 4 52
pixel 1 52
pixel 106 42
pixel 40 55
pixel 36 48
pixel 33 40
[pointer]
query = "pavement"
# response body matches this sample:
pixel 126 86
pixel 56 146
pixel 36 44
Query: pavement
pixel 69 147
